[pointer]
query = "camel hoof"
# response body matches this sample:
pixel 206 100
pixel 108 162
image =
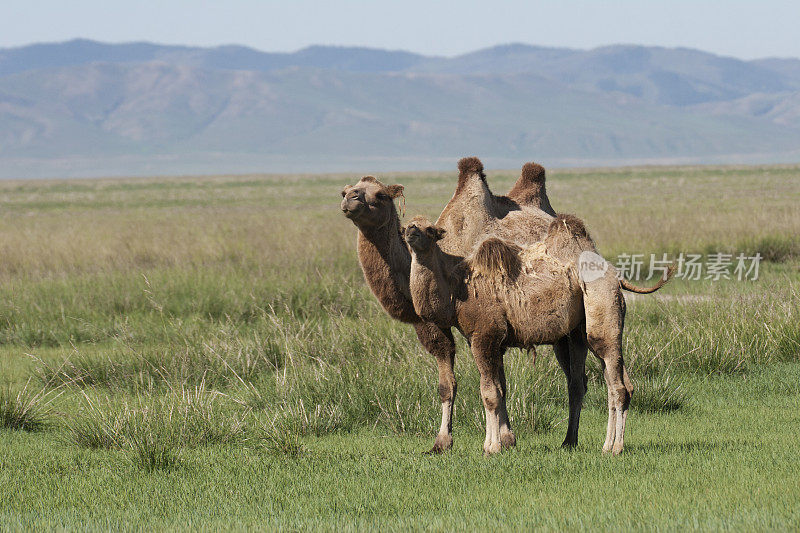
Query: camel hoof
pixel 507 440
pixel 569 445
pixel 616 450
pixel 492 449
pixel 441 445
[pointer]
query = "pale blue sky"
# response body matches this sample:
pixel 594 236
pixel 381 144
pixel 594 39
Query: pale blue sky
pixel 745 29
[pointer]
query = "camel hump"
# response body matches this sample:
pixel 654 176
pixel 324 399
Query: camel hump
pixel 495 257
pixel 529 189
pixel 568 223
pixel 532 173
pixel 467 166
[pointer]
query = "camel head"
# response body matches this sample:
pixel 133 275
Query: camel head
pixel 369 203
pixel 420 234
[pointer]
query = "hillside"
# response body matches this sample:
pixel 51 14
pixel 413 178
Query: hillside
pixel 88 108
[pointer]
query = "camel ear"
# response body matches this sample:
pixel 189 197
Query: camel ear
pixel 435 232
pixel 395 190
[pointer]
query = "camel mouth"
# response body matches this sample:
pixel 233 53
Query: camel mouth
pixel 414 238
pixel 352 212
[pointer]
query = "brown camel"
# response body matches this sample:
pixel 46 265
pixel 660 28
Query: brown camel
pixel 504 295
pixel 386 263
pixel 472 214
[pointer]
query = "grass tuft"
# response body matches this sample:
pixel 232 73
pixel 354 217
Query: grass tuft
pixel 26 410
pixel 659 395
pixel 153 431
pixel 281 436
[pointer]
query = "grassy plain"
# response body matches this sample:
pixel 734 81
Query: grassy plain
pixel 203 352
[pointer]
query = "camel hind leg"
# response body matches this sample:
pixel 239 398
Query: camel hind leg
pixel 605 315
pixel 507 437
pixel 571 355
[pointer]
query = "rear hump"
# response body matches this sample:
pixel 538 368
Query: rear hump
pixel 569 223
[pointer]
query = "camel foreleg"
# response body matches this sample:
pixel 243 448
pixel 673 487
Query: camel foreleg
pixel 441 345
pixel 489 358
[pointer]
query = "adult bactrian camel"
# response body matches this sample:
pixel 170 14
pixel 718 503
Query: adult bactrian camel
pixel 386 263
pixel 504 295
pixel 472 214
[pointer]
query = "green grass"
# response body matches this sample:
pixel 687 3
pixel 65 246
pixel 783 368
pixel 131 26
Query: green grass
pixel 204 353
pixel 24 409
pixel 727 462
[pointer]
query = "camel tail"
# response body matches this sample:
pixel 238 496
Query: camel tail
pixel 647 290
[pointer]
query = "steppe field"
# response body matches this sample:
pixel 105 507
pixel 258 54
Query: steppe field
pixel 203 353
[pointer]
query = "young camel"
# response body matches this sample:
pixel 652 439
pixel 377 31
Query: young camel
pixel 386 264
pixel 504 295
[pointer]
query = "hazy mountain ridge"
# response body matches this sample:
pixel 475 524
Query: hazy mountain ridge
pixel 83 99
pixel 230 57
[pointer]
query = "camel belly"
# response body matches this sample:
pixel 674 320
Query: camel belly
pixel 546 322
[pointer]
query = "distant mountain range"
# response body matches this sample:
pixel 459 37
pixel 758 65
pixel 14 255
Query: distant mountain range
pixel 90 108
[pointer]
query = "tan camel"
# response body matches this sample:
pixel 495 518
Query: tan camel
pixel 472 214
pixel 386 263
pixel 504 295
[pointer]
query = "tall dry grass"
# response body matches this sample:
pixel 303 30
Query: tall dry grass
pixel 248 286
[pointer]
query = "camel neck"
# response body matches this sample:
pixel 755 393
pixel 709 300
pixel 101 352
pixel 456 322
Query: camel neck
pixel 386 263
pixel 431 289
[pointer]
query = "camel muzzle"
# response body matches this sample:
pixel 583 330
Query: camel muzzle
pixel 351 208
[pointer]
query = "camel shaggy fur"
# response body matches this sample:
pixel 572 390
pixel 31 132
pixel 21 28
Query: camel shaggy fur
pixel 505 295
pixel 529 190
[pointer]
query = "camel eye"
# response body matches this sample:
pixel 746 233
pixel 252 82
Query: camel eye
pixel 382 196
